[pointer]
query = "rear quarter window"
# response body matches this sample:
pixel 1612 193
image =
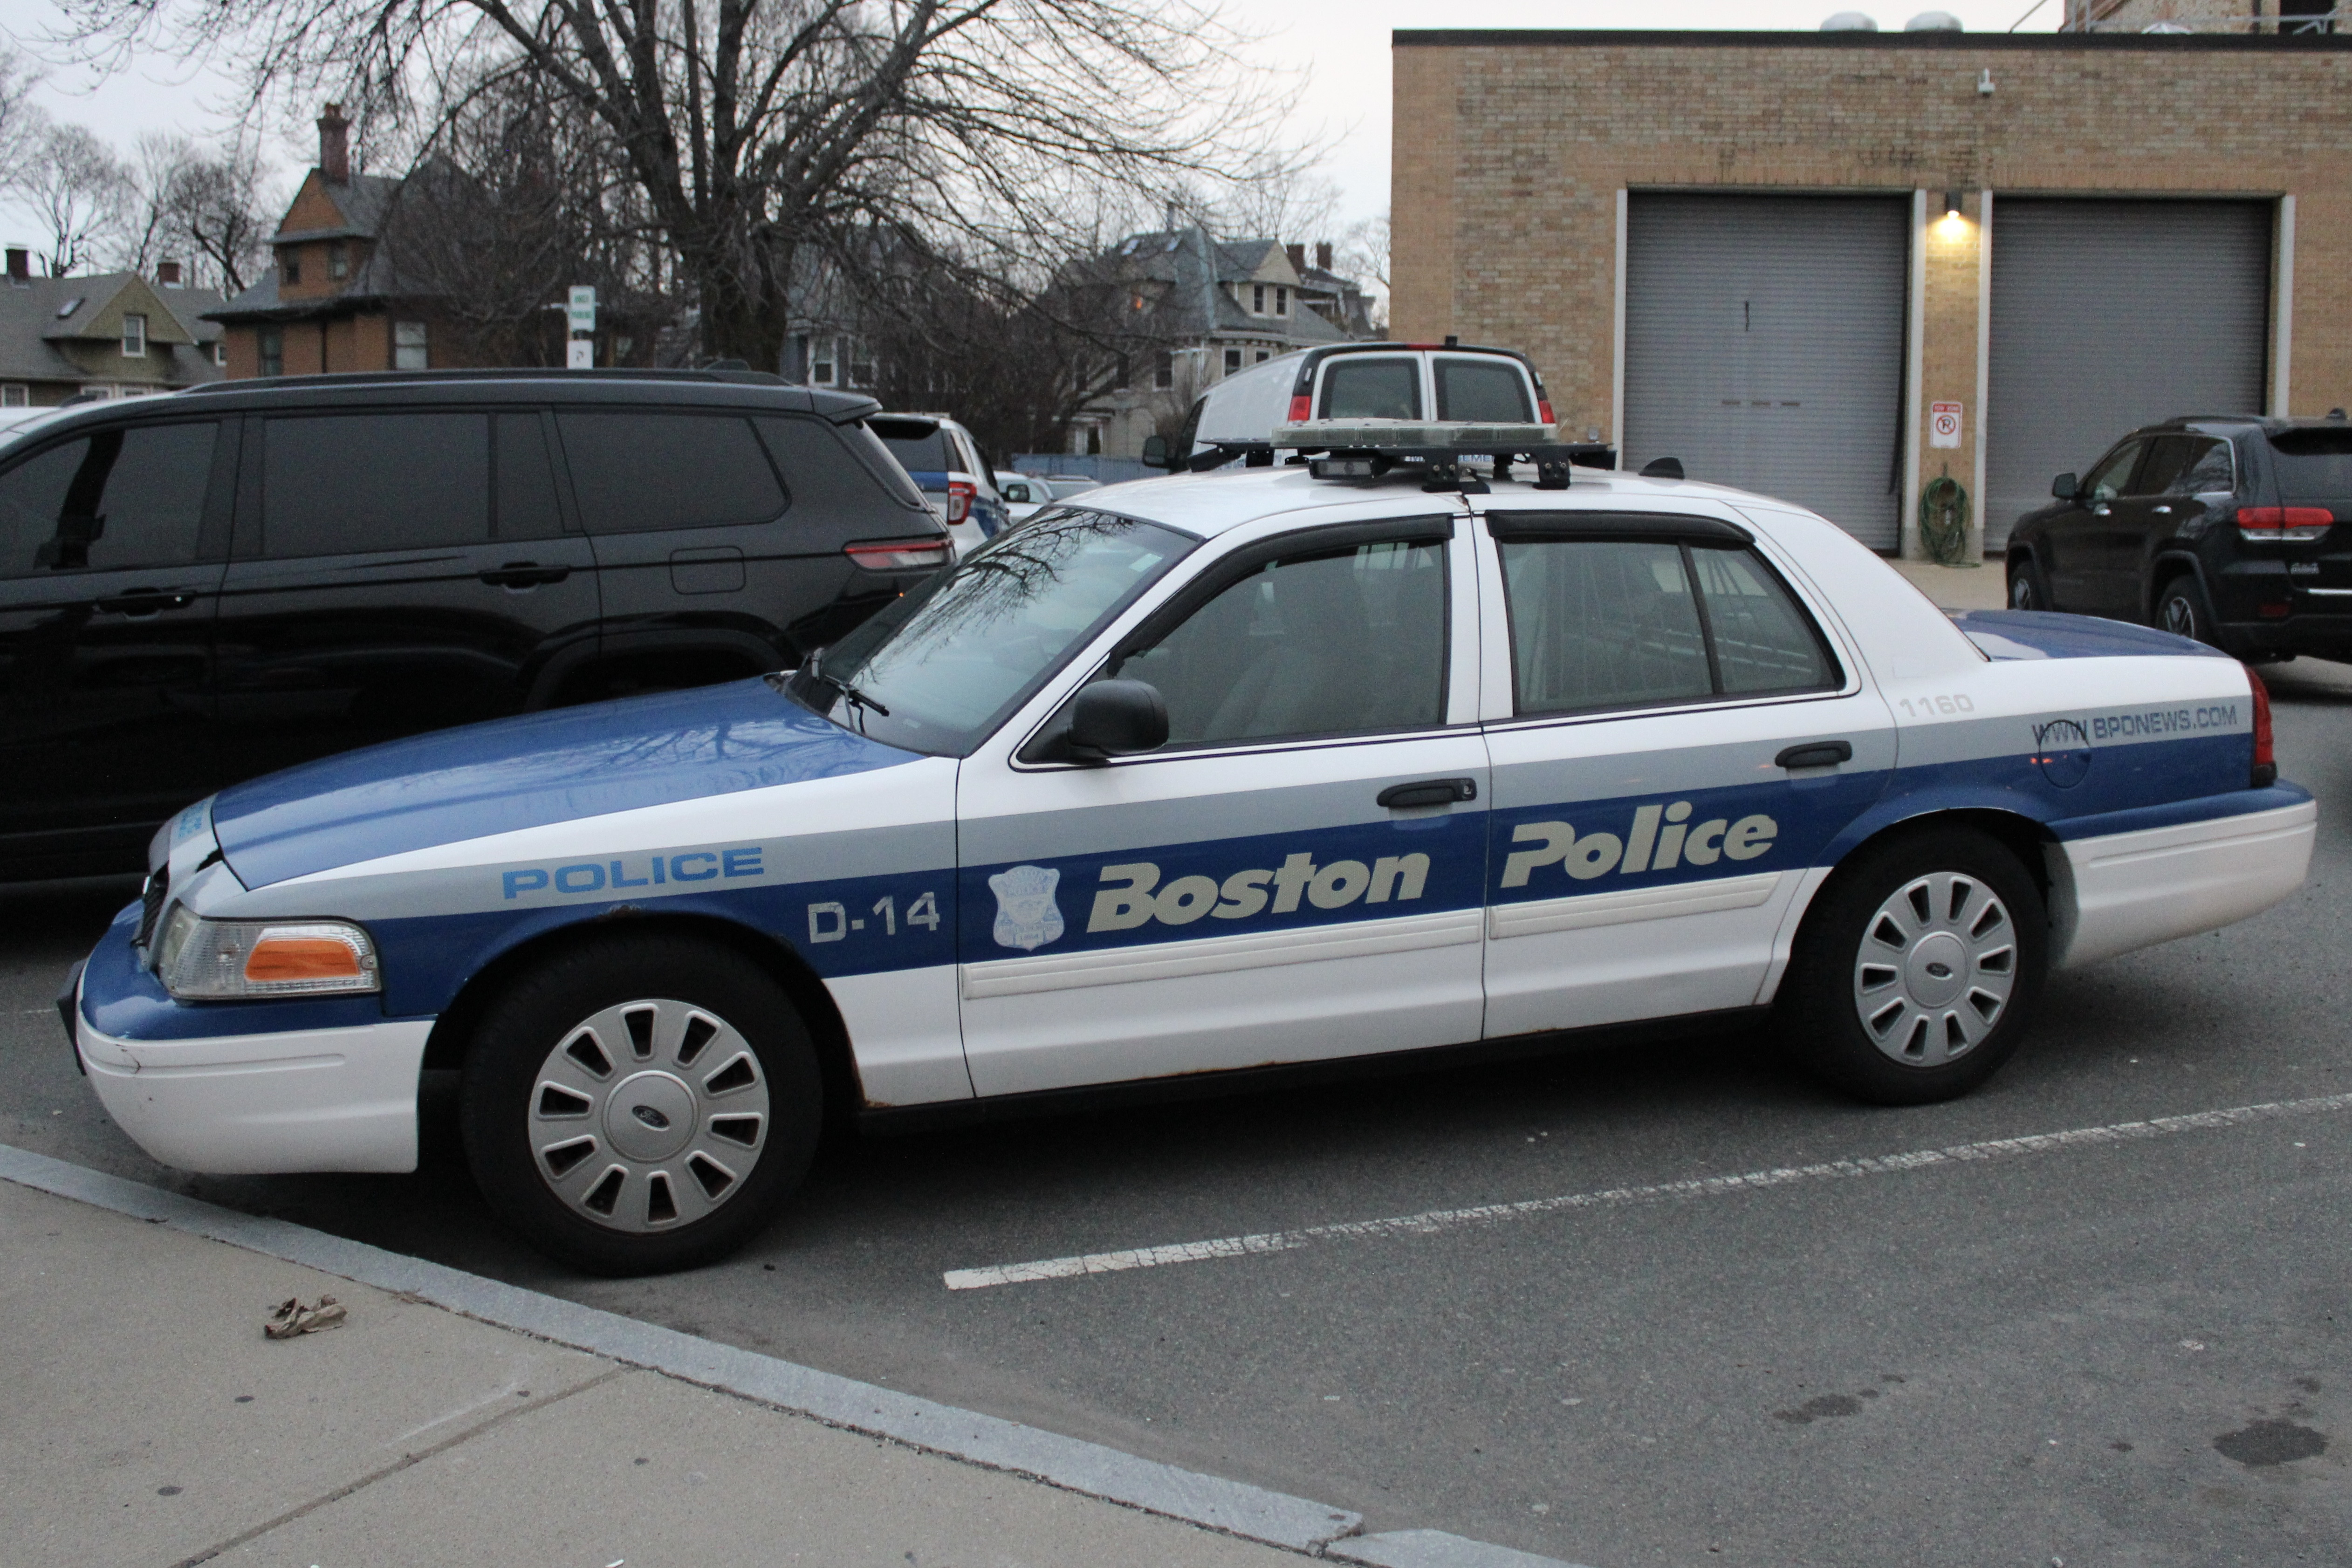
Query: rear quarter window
pixel 834 469
pixel 637 472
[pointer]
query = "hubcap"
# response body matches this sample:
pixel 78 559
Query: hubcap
pixel 1935 969
pixel 648 1115
pixel 2020 593
pixel 2179 617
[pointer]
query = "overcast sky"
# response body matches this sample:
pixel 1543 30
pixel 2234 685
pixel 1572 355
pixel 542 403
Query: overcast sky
pixel 1342 45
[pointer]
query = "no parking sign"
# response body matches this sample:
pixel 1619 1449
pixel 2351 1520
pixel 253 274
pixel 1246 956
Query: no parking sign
pixel 1943 424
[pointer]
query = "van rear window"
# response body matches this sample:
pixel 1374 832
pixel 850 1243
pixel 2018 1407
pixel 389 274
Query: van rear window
pixel 1491 392
pixel 2314 465
pixel 920 446
pixel 1371 389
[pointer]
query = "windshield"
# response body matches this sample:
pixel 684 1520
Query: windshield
pixel 2314 465
pixel 941 668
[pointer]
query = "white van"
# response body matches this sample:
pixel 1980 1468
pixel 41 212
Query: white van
pixel 1353 380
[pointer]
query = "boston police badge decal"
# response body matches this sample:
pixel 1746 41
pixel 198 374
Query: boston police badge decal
pixel 1026 914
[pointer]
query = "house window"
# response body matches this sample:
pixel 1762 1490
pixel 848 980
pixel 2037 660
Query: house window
pixel 272 343
pixel 339 261
pixel 134 337
pixel 1257 298
pixel 16 395
pixel 1264 355
pixel 220 353
pixel 410 351
pixel 290 269
pixel 1163 370
pixel 1281 301
pixel 1124 378
pixel 1232 361
pixel 860 360
pixel 821 368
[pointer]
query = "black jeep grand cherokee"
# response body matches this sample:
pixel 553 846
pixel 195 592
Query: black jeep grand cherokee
pixel 203 587
pixel 2233 529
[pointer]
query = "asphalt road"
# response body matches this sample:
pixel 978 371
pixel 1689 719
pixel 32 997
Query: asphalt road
pixel 2114 1349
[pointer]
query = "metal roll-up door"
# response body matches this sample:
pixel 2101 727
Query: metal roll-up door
pixel 2112 314
pixel 1764 347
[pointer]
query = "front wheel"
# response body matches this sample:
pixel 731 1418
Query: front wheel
pixel 2024 589
pixel 640 1102
pixel 1916 972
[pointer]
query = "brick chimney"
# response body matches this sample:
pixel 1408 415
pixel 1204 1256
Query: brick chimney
pixel 1297 255
pixel 20 265
pixel 167 272
pixel 1323 254
pixel 335 145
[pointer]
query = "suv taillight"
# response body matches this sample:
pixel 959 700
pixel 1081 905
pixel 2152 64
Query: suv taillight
pixel 2268 523
pixel 899 555
pixel 960 494
pixel 1302 408
pixel 1543 407
pixel 2265 773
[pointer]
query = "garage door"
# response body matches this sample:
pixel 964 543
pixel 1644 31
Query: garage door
pixel 2107 315
pixel 1764 347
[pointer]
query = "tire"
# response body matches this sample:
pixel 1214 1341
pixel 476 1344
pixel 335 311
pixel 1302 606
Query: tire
pixel 640 1103
pixel 1865 1007
pixel 2181 610
pixel 2025 590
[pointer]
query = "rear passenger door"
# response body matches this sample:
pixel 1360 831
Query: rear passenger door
pixel 396 570
pixel 112 548
pixel 1651 829
pixel 703 573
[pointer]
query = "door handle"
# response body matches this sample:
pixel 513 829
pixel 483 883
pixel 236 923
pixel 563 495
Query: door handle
pixel 1429 792
pixel 2101 510
pixel 142 601
pixel 524 574
pixel 1816 754
pixel 2166 510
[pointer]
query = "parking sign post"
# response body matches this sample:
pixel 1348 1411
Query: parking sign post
pixel 579 312
pixel 1943 424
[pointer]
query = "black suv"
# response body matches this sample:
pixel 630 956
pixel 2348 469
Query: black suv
pixel 204 587
pixel 2230 528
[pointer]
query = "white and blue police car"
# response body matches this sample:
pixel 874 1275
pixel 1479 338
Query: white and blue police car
pixel 1383 752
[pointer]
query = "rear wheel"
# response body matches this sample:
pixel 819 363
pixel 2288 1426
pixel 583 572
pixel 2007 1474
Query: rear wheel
pixel 1916 973
pixel 2181 610
pixel 640 1103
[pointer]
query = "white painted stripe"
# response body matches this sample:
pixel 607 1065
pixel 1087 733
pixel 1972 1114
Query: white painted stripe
pixel 1219 954
pixel 1438 1219
pixel 1632 904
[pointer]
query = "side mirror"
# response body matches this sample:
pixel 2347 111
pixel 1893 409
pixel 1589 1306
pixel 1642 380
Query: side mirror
pixel 2067 486
pixel 1116 718
pixel 1155 452
pixel 1663 468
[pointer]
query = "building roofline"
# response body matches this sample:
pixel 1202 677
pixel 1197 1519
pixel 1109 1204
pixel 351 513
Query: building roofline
pixel 1668 38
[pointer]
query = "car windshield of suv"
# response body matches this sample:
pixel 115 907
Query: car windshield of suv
pixel 2313 465
pixel 941 668
pixel 919 446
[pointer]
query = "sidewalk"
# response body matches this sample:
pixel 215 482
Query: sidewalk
pixel 150 1422
pixel 1958 587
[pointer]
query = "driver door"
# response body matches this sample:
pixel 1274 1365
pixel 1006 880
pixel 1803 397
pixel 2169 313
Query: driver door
pixel 1257 890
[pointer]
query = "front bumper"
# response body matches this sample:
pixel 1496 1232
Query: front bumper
pixel 2113 893
pixel 339 1099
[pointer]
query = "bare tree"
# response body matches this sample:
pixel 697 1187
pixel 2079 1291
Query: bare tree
pixel 221 207
pixel 752 128
pixel 1364 254
pixel 79 191
pixel 152 176
pixel 22 123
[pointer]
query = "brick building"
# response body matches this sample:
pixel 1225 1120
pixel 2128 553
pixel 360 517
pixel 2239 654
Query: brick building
pixel 1837 266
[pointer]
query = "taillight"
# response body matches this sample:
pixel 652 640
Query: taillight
pixel 2265 773
pixel 900 555
pixel 1543 408
pixel 960 494
pixel 2285 522
pixel 1302 409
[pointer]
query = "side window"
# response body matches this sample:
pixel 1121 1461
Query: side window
pixel 348 483
pixel 1492 392
pixel 116 498
pixel 1371 389
pixel 2167 456
pixel 1330 642
pixel 526 481
pixel 2209 470
pixel 2107 480
pixel 1612 623
pixel 632 473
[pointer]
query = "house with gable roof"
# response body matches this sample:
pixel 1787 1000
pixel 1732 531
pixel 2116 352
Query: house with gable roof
pixel 109 334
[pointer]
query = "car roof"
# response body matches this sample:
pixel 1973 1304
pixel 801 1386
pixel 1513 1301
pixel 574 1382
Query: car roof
pixel 1206 504
pixel 736 389
pixel 2269 423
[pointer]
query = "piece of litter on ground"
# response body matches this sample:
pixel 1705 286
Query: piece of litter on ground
pixel 2192 1344
pixel 293 1318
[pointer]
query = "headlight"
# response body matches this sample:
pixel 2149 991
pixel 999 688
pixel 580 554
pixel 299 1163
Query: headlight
pixel 205 960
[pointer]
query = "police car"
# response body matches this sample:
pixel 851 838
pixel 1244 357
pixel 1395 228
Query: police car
pixel 1380 749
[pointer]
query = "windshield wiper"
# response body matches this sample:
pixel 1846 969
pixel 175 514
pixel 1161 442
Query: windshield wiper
pixel 857 698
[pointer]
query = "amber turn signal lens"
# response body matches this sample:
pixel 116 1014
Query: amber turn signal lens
pixel 276 958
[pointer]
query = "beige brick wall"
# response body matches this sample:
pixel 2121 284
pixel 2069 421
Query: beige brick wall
pixel 1509 155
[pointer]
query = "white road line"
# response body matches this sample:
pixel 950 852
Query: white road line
pixel 1703 1186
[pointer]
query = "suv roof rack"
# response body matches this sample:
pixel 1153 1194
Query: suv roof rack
pixel 509 373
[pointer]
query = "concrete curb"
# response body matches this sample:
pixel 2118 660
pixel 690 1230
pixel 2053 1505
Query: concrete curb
pixel 1091 1468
